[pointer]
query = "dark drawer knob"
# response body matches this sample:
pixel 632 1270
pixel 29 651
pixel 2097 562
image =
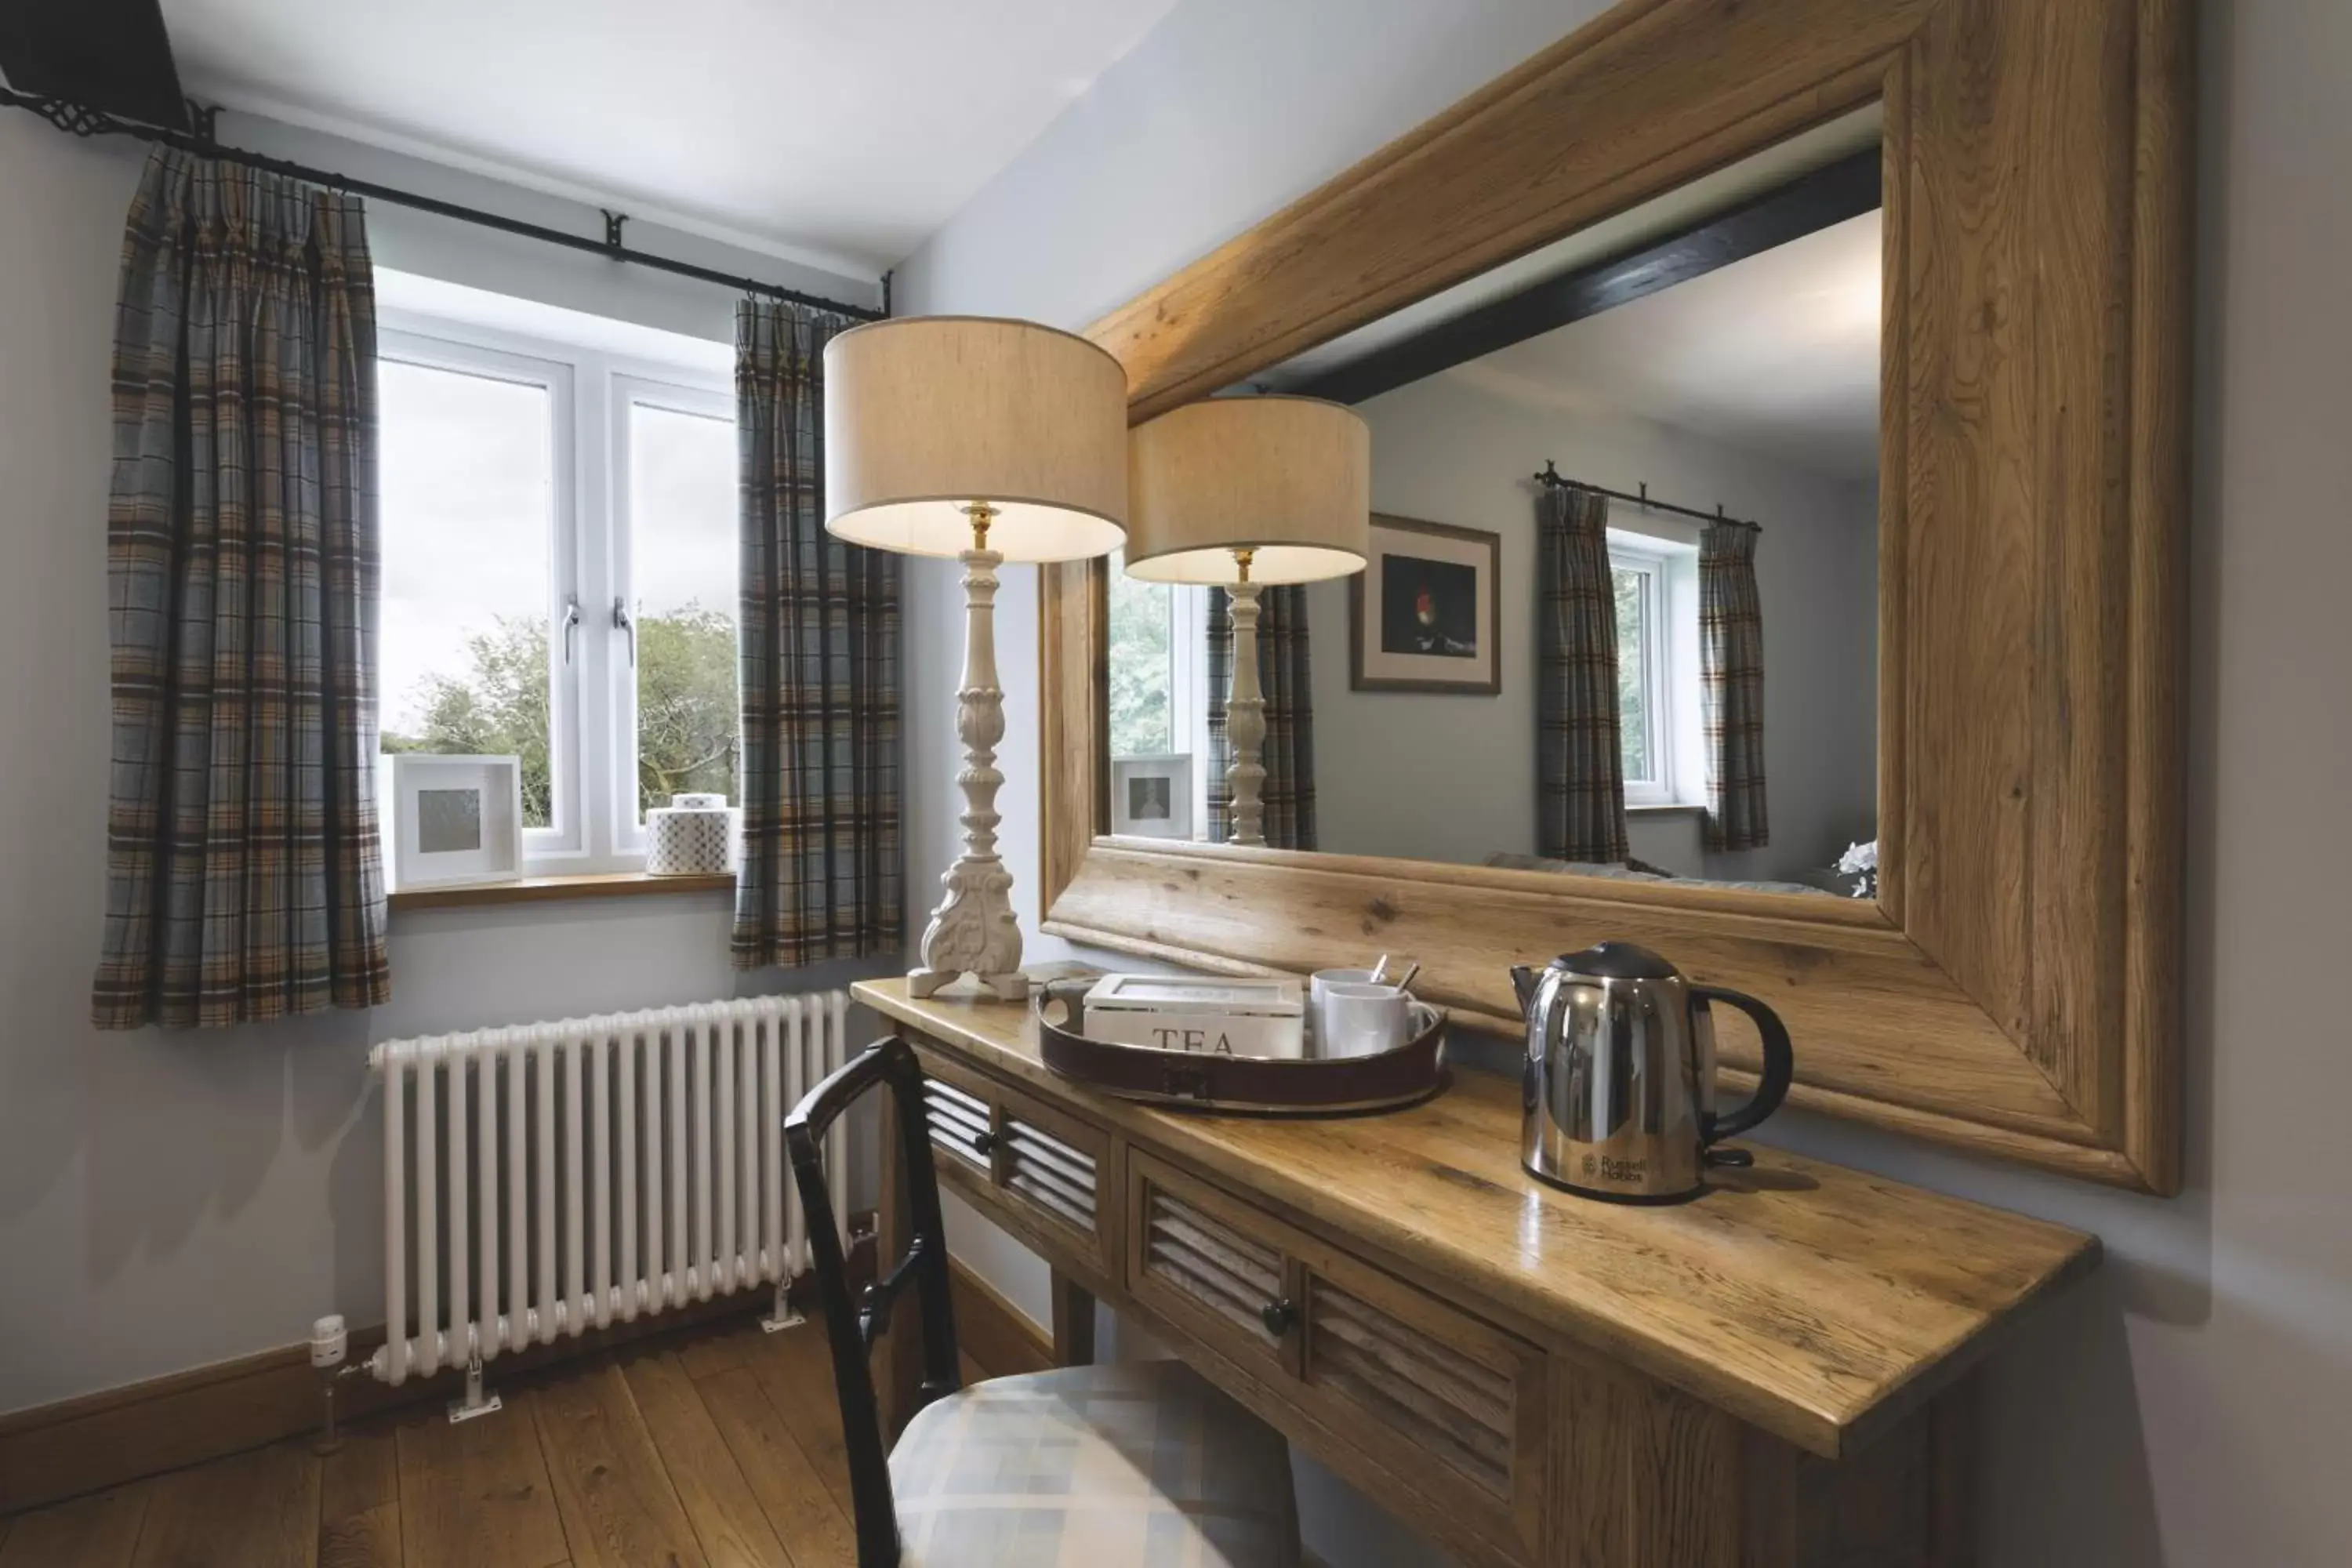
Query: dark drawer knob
pixel 1277 1317
pixel 983 1143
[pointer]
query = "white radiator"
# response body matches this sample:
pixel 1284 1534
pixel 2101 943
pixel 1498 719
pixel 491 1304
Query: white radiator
pixel 599 1170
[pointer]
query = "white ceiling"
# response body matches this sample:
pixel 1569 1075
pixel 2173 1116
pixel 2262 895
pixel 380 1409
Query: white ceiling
pixel 1776 354
pixel 827 129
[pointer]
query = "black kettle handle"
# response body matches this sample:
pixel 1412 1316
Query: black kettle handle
pixel 1780 1064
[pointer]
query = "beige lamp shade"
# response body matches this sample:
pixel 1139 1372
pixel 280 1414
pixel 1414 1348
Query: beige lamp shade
pixel 926 415
pixel 1289 479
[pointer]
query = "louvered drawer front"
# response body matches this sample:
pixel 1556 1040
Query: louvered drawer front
pixel 960 1124
pixel 1419 1382
pixel 1056 1177
pixel 1196 1258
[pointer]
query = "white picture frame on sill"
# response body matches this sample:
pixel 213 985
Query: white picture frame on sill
pixel 1152 797
pixel 449 819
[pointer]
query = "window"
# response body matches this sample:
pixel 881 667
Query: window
pixel 559 575
pixel 1159 672
pixel 1647 695
pixel 1143 666
pixel 679 453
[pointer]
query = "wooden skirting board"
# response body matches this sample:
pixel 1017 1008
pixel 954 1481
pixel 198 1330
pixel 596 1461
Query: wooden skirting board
pixel 103 1439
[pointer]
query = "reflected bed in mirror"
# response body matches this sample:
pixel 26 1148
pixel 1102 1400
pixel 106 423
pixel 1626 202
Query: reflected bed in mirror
pixel 1620 615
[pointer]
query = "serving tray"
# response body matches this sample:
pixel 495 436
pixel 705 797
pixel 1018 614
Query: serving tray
pixel 1251 1086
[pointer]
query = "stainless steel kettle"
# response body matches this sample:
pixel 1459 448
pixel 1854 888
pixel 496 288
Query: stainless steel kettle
pixel 1620 1077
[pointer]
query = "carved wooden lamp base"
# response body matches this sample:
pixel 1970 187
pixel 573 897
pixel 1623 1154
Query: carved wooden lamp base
pixel 973 931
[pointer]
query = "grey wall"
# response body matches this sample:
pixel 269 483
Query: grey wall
pixel 168 1200
pixel 1449 777
pixel 2191 1406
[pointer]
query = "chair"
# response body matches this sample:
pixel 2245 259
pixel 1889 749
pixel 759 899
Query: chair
pixel 1138 1464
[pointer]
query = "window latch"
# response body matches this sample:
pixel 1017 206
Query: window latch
pixel 570 624
pixel 621 623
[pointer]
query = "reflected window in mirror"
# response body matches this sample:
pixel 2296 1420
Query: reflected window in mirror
pixel 1649 691
pixel 1709 357
pixel 1159 697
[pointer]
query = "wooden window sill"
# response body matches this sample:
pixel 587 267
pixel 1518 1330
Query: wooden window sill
pixel 1666 808
pixel 546 889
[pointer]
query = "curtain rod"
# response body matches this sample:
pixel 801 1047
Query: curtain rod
pixel 1551 479
pixel 86 122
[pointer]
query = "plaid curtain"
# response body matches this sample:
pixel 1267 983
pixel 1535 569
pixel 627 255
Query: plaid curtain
pixel 1289 751
pixel 1731 675
pixel 1579 760
pixel 243 876
pixel 819 673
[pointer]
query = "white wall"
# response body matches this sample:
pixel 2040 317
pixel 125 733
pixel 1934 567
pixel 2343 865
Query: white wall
pixel 2191 1406
pixel 167 1200
pixel 1450 776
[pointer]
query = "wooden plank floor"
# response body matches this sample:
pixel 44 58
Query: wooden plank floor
pixel 720 1446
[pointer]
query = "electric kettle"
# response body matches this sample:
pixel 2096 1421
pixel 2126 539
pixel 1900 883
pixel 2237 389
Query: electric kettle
pixel 1620 1075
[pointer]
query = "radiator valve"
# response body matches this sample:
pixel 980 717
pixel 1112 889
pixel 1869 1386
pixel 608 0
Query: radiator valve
pixel 329 1344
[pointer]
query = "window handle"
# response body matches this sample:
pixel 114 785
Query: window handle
pixel 570 624
pixel 621 623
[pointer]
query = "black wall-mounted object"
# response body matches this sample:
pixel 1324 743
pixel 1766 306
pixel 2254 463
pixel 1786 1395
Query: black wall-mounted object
pixel 1809 203
pixel 108 55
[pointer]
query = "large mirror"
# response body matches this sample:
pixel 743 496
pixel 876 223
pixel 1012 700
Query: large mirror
pixel 1654 260
pixel 1620 617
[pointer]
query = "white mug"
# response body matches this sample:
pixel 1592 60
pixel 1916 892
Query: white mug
pixel 1360 1019
pixel 1319 985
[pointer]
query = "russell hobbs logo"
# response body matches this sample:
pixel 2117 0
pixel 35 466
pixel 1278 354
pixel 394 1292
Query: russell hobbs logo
pixel 1609 1168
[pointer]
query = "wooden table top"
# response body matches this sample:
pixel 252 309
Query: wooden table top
pixel 1817 1302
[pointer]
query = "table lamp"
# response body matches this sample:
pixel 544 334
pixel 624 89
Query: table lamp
pixel 989 441
pixel 1241 492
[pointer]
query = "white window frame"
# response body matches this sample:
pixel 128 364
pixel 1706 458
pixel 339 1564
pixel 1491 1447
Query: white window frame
pixel 566 836
pixel 679 394
pixel 592 702
pixel 1663 696
pixel 1188 689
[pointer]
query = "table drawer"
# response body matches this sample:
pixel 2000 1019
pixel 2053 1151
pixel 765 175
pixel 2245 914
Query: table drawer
pixel 1211 1265
pixel 1433 1396
pixel 1419 1382
pixel 1028 1167
pixel 963 1125
pixel 1051 1167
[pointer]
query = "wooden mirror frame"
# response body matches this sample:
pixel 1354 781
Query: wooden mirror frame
pixel 2014 990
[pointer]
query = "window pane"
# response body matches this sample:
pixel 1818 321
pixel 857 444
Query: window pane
pixel 1141 671
pixel 682 555
pixel 1633 670
pixel 469 496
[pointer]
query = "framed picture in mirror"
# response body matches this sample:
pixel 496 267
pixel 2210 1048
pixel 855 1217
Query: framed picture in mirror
pixel 1152 797
pixel 1425 613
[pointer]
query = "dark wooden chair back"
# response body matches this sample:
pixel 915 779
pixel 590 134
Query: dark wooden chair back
pixel 851 1327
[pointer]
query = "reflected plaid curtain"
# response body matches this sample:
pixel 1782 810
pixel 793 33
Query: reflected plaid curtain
pixel 1579 757
pixel 243 876
pixel 820 869
pixel 1731 677
pixel 1289 752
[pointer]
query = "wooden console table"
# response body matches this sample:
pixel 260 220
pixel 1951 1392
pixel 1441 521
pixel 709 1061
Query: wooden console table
pixel 1768 1378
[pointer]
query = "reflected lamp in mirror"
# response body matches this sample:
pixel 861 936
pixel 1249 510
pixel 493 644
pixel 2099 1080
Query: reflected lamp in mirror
pixel 989 441
pixel 1239 493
